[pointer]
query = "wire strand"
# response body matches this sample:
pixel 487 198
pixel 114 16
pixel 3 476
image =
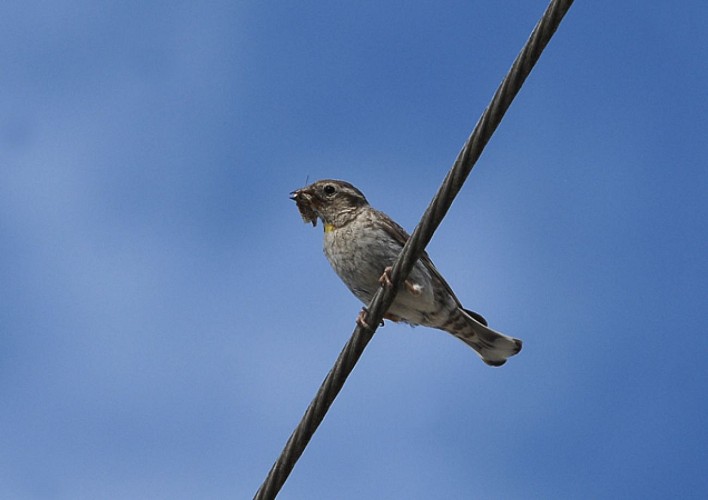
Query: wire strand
pixel 414 247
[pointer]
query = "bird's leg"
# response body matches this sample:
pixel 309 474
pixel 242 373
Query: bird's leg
pixel 385 280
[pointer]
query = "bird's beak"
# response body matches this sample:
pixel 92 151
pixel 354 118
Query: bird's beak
pixel 303 199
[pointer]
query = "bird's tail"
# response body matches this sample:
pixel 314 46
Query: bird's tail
pixel 493 347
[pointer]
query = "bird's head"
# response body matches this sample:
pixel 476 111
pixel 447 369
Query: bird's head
pixel 330 200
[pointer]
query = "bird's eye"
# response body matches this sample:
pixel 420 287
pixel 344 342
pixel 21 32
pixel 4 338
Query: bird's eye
pixel 329 189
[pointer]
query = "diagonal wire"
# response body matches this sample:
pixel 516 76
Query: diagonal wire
pixel 415 246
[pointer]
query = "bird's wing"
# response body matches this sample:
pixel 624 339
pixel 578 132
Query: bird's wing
pixel 393 229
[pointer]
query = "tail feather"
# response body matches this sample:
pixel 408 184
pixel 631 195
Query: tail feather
pixel 477 316
pixel 493 347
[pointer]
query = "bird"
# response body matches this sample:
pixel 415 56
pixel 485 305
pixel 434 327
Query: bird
pixel 362 243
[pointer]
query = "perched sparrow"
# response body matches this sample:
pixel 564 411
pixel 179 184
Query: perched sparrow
pixel 362 243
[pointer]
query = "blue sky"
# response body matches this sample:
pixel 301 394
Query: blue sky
pixel 166 316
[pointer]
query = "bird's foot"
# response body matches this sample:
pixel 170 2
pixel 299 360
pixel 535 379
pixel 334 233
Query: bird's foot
pixel 361 319
pixel 385 278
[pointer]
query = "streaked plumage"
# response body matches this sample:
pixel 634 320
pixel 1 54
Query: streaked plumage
pixel 360 242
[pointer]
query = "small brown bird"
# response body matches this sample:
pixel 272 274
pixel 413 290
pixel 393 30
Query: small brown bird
pixel 361 243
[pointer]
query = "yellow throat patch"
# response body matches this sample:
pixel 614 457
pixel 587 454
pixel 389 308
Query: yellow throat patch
pixel 328 228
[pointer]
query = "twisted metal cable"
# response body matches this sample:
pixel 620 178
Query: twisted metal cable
pixel 413 249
